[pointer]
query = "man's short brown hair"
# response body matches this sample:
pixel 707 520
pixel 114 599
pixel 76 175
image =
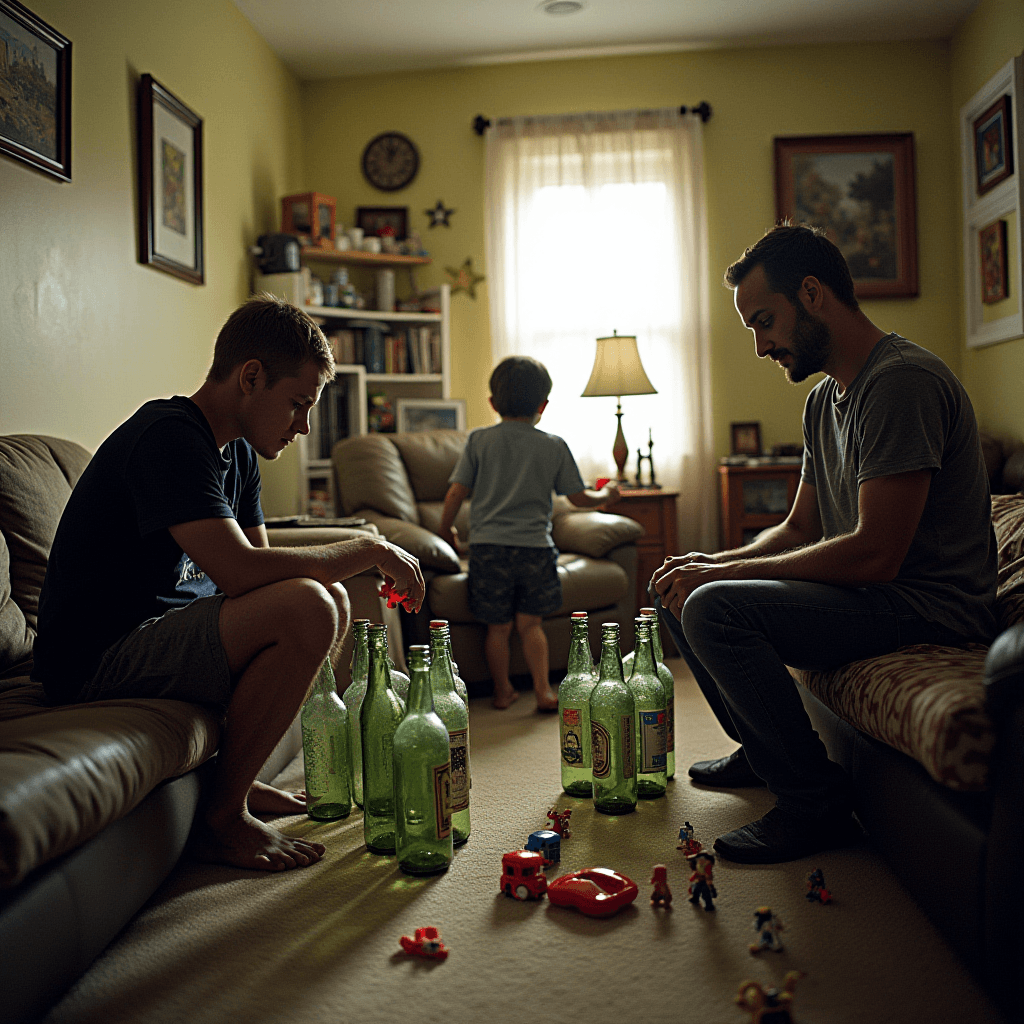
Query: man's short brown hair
pixel 789 253
pixel 281 336
pixel 519 386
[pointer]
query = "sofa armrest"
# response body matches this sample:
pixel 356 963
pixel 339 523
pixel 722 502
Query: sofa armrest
pixel 432 552
pixel 593 533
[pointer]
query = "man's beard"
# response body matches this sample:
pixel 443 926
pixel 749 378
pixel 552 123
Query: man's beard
pixel 810 347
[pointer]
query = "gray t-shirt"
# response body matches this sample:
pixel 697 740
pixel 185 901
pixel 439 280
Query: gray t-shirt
pixel 906 411
pixel 512 468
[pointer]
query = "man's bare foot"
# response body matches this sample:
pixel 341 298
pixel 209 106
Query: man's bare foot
pixel 264 799
pixel 245 842
pixel 547 700
pixel 504 696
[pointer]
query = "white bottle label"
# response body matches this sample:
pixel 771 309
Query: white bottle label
pixel 443 800
pixel 652 742
pixel 458 743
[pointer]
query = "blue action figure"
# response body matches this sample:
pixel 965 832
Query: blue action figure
pixel 767 926
pixel 702 882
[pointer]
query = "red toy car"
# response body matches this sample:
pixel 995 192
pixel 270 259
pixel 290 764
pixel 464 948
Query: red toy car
pixel 596 892
pixel 426 943
pixel 522 875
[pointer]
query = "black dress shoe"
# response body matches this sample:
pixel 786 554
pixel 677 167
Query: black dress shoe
pixel 733 772
pixel 779 837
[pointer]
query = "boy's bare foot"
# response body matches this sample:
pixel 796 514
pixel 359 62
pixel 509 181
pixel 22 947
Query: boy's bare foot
pixel 244 842
pixel 504 696
pixel 547 700
pixel 264 799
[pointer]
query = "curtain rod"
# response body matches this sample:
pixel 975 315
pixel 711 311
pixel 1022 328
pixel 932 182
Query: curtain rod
pixel 702 110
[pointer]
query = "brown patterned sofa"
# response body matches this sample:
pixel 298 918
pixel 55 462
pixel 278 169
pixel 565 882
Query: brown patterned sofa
pixel 933 740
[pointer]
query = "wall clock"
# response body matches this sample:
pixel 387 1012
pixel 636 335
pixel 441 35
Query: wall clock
pixel 390 161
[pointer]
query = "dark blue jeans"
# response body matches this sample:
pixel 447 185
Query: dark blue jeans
pixel 739 636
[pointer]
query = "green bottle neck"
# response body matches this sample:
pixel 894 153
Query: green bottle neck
pixel 655 635
pixel 360 651
pixel 441 677
pixel 421 696
pixel 643 659
pixel 611 660
pixel 580 658
pixel 325 681
pixel 379 673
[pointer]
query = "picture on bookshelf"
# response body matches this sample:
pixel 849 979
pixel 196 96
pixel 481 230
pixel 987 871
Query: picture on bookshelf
pixel 418 414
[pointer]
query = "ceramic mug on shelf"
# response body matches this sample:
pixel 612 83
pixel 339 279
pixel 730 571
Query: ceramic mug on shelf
pixel 355 236
pixel 371 244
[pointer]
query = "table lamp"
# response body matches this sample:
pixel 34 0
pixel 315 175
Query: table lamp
pixel 618 371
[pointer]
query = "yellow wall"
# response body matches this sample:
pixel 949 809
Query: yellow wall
pixel 990 36
pixel 86 332
pixel 756 94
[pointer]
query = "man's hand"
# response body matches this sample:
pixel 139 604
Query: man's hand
pixel 609 493
pixel 681 576
pixel 402 570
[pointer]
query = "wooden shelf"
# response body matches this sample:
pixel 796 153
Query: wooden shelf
pixel 403 378
pixel 357 258
pixel 347 313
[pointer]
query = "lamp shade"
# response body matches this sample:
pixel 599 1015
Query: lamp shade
pixel 617 369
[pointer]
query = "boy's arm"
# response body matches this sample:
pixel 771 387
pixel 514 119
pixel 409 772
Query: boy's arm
pixel 457 494
pixel 592 498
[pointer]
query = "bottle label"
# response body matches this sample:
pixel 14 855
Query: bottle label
pixel 601 748
pixel 670 723
pixel 628 755
pixel 652 742
pixel 443 799
pixel 458 743
pixel 572 738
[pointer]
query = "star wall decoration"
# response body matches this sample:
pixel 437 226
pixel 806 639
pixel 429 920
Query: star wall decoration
pixel 465 278
pixel 439 215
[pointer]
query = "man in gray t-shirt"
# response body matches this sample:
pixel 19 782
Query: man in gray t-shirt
pixel 889 542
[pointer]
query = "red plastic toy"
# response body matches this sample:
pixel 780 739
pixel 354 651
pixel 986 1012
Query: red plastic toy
pixel 394 598
pixel 596 892
pixel 560 821
pixel 522 875
pixel 427 943
pixel 662 895
pixel 600 482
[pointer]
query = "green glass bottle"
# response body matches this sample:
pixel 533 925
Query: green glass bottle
pixel 381 712
pixel 353 698
pixel 451 709
pixel 423 778
pixel 399 680
pixel 460 686
pixel 667 680
pixel 649 700
pixel 325 735
pixel 574 711
pixel 612 731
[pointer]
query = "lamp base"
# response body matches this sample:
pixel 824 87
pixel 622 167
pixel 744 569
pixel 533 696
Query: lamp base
pixel 620 450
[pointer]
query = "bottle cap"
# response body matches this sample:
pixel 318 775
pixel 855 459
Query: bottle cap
pixel 578 615
pixel 437 623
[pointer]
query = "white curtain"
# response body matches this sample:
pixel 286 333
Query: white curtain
pixel 595 223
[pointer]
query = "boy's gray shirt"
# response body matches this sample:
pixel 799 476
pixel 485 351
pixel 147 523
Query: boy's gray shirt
pixel 512 468
pixel 907 411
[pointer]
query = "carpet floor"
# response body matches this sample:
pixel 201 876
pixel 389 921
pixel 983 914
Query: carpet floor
pixel 217 944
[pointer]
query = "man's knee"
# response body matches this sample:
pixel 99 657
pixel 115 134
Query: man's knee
pixel 306 612
pixel 339 595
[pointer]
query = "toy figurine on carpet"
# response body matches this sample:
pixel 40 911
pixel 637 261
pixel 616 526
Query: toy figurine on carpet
pixel 687 843
pixel 768 1005
pixel 560 821
pixel 816 890
pixel 426 943
pixel 767 926
pixel 702 881
pixel 662 895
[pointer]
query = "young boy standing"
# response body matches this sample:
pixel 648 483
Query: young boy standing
pixel 511 469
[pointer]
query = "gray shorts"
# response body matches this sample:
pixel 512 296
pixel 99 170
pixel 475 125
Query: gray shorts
pixel 177 656
pixel 504 580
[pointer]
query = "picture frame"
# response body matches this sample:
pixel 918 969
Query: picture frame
pixel 993 149
pixel 746 438
pixel 35 86
pixel 995 284
pixel 418 414
pixel 170 183
pixel 311 216
pixel 372 218
pixel 861 189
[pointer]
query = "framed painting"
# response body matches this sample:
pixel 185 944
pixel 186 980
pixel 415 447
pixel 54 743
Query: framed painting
pixel 993 146
pixel 35 91
pixel 417 414
pixel 378 220
pixel 746 438
pixel 170 183
pixel 995 284
pixel 860 189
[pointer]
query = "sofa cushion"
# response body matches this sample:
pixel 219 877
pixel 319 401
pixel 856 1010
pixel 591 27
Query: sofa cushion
pixel 430 518
pixel 926 701
pixel 370 474
pixel 587 584
pixel 68 772
pixel 1008 524
pixel 432 552
pixel 429 458
pixel 593 533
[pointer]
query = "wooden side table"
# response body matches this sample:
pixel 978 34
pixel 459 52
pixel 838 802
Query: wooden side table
pixel 754 498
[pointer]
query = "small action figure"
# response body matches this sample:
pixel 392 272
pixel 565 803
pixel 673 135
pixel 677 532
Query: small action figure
pixel 427 943
pixel 767 927
pixel 768 1005
pixel 662 895
pixel 702 881
pixel 687 843
pixel 816 890
pixel 393 598
pixel 560 821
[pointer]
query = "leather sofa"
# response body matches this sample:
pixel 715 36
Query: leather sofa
pixel 398 483
pixel 96 800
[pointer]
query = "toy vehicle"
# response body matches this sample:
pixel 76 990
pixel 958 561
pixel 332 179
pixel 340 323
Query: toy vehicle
pixel 548 843
pixel 596 892
pixel 522 875
pixel 427 942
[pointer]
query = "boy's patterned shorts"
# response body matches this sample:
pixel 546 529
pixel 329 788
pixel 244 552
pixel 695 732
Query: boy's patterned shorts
pixel 504 580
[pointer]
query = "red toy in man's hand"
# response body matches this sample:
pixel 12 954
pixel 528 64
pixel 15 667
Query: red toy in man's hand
pixel 393 597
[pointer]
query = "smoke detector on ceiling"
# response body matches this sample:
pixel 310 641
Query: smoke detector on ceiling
pixel 562 6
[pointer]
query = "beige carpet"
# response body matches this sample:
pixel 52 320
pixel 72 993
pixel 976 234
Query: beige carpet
pixel 321 944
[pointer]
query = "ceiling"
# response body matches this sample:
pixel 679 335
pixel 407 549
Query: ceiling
pixel 330 38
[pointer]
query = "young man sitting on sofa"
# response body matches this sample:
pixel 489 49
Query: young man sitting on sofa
pixel 889 542
pixel 161 581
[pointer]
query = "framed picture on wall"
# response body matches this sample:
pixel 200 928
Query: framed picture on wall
pixel 375 219
pixel 995 285
pixel 416 414
pixel 170 183
pixel 993 149
pixel 35 91
pixel 746 438
pixel 860 189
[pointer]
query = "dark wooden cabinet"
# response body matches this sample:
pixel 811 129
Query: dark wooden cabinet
pixel 754 498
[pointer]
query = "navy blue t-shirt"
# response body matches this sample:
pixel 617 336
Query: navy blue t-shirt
pixel 114 563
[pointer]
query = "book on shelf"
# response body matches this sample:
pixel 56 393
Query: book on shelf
pixel 412 349
pixel 330 419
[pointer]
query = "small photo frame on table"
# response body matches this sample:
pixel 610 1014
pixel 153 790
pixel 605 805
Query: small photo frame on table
pixel 375 219
pixel 170 183
pixel 993 149
pixel 860 189
pixel 418 414
pixel 309 215
pixel 995 282
pixel 746 438
pixel 35 92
